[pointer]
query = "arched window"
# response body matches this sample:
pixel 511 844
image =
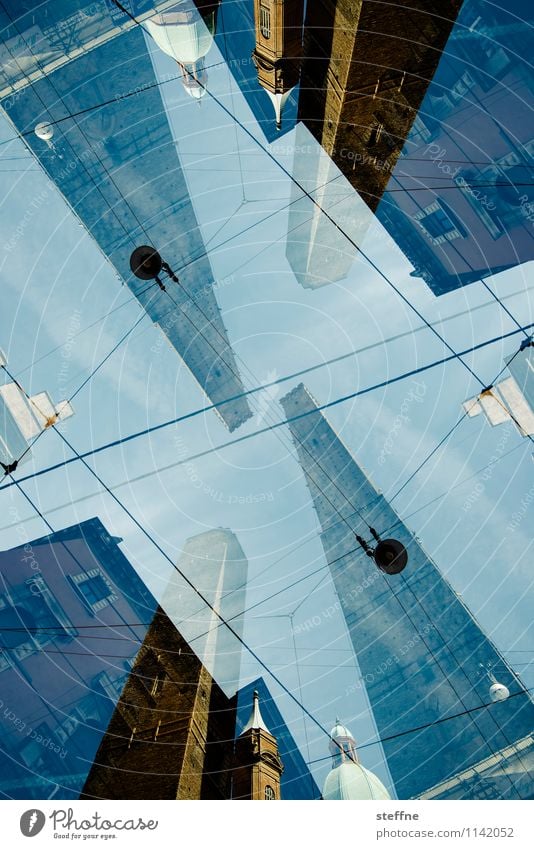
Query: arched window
pixel 269 792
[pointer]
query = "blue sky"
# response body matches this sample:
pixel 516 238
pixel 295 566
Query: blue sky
pixel 56 282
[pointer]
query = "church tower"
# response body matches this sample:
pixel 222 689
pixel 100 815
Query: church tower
pixel 278 25
pixel 258 766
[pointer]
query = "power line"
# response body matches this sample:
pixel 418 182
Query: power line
pixel 316 203
pixel 74 394
pixel 110 102
pixel 382 740
pixel 458 422
pixel 309 195
pixel 159 548
pixel 194 413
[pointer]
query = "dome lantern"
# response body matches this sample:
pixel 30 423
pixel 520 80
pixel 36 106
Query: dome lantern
pixel 348 779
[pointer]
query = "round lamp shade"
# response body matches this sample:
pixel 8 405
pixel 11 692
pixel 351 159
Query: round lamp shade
pixel 390 556
pixel 44 131
pixel 145 263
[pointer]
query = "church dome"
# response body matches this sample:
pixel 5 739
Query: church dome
pixel 181 33
pixel 348 779
pixel 351 780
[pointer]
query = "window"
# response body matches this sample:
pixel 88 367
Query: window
pixel 151 674
pixel 375 134
pixel 158 682
pixel 265 20
pixel 440 223
pixel 269 793
pixel 112 686
pixel 94 589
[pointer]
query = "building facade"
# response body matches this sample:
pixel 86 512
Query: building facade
pixel 459 204
pixel 73 613
pixel 422 655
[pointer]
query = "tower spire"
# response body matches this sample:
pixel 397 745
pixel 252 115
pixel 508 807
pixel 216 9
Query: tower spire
pixel 258 767
pixel 277 53
pixel 256 720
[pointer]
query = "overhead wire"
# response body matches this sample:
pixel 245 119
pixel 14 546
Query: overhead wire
pixel 140 527
pixel 458 422
pixel 395 288
pixel 159 548
pixel 194 300
pixel 322 210
pixel 327 405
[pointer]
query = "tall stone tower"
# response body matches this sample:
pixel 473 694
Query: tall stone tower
pixel 426 663
pixel 104 169
pixel 215 564
pixel 258 766
pixel 363 82
pixel 171 734
pixel 278 48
